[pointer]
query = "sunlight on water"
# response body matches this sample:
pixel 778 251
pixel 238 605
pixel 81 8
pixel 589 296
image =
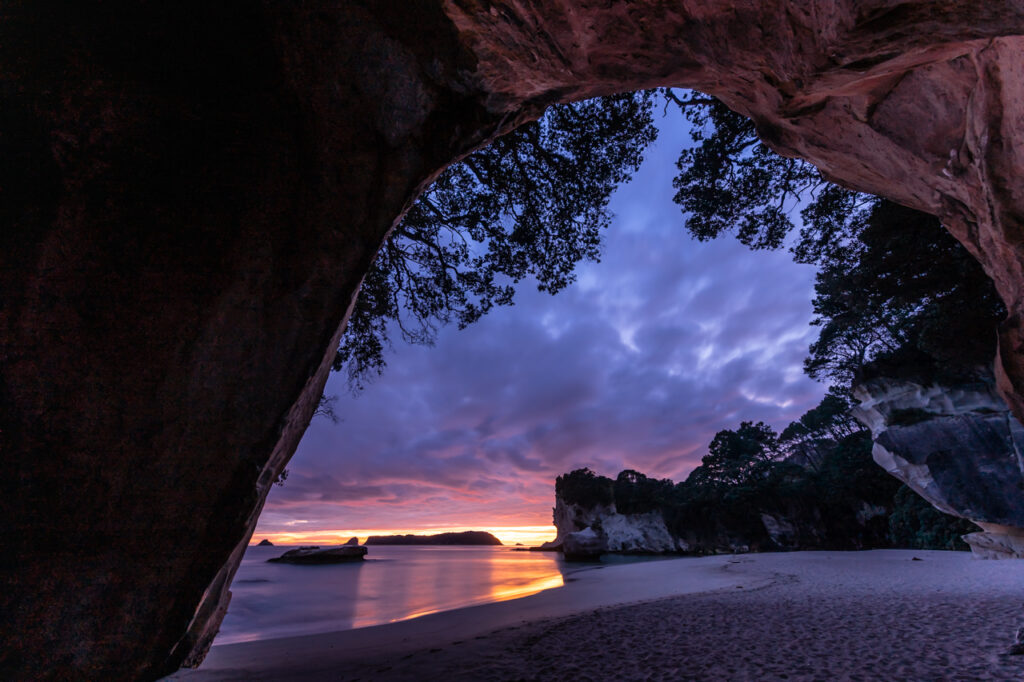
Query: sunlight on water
pixel 392 584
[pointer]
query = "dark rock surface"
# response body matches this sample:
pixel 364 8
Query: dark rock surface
pixel 191 194
pixel 469 537
pixel 957 446
pixel 265 543
pixel 317 555
pixel 583 545
pixel 352 541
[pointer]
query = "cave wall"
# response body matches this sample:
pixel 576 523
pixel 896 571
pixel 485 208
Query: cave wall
pixel 191 193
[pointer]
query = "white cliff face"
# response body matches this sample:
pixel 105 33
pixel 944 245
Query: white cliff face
pixel 646 533
pixel 626 533
pixel 958 447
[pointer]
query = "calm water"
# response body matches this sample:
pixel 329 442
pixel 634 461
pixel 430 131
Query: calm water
pixel 393 583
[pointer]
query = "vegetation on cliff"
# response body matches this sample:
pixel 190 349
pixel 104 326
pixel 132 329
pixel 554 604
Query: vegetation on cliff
pixel 532 203
pixel 816 480
pixel 895 292
pixel 468 537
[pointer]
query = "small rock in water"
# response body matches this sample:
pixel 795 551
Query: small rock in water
pixel 265 543
pixel 1017 649
pixel 916 559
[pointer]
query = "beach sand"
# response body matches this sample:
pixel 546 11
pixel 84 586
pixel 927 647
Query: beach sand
pixel 875 615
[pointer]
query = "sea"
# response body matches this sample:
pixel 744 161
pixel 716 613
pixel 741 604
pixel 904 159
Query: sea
pixel 393 583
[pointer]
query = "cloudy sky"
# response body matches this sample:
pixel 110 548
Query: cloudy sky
pixel 637 365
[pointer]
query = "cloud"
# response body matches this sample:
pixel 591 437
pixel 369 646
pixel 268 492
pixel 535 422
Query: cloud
pixel 637 365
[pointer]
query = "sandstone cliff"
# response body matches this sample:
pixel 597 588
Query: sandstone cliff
pixel 959 447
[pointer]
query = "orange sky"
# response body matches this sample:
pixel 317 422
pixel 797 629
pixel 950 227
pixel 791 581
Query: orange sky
pixel 509 535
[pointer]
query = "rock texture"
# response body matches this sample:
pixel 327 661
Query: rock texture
pixel 583 545
pixel 586 531
pixel 192 192
pixel 959 448
pixel 602 529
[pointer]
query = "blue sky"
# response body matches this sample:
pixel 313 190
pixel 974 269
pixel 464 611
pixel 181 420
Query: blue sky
pixel 637 365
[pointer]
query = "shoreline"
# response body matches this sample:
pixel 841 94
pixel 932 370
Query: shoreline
pixel 699 609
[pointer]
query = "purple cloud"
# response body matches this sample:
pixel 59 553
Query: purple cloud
pixel 637 365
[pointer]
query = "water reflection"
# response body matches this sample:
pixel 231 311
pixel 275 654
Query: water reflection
pixel 393 583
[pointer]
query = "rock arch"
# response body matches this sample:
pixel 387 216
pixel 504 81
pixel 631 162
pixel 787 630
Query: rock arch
pixel 191 194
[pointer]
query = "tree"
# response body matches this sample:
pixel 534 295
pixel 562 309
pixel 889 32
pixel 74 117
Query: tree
pixel 532 204
pixel 813 436
pixel 736 457
pixel 635 493
pixel 730 182
pixel 892 283
pixel 909 295
pixel 585 488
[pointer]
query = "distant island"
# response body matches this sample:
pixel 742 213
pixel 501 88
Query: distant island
pixel 469 537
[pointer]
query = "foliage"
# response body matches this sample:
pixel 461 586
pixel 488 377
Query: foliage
pixel 893 286
pixel 896 295
pixel 752 472
pixel 820 428
pixel 908 294
pixel 737 457
pixel 635 493
pixel 730 182
pixel 916 524
pixel 532 204
pixel 585 488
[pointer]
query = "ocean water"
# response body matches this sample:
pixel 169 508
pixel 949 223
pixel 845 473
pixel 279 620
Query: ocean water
pixel 393 583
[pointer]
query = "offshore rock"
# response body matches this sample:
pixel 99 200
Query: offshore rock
pixel 316 555
pixel 265 543
pixel 957 446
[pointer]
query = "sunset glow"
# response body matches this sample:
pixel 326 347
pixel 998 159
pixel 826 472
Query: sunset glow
pixel 529 536
pixel 636 365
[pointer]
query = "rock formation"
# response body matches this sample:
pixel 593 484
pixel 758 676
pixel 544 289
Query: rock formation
pixel 352 541
pixel 192 192
pixel 265 543
pixel 958 447
pixel 316 555
pixel 585 530
pixel 583 545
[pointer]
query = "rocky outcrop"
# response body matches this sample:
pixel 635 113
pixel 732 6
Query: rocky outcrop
pixel 315 555
pixel 583 545
pixel 352 541
pixel 265 543
pixel 957 446
pixel 608 530
pixel 996 542
pixel 193 191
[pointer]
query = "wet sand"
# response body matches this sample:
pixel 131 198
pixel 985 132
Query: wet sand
pixel 876 615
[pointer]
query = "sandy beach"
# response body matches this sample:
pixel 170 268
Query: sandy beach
pixel 876 615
